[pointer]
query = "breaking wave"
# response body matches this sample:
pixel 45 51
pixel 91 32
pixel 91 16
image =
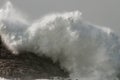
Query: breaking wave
pixel 87 51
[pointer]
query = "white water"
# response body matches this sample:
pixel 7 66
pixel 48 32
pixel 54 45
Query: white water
pixel 87 51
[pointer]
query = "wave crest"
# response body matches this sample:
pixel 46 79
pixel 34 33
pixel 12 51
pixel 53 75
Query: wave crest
pixel 88 51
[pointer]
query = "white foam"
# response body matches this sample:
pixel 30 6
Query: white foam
pixel 87 51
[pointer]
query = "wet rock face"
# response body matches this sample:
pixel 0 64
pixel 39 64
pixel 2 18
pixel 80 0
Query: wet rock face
pixel 27 64
pixel 4 52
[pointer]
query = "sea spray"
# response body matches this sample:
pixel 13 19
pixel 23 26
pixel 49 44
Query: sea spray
pixel 12 26
pixel 87 51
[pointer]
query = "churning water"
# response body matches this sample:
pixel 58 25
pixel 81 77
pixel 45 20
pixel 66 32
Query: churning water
pixel 87 51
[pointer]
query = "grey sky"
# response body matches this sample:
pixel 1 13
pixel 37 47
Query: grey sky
pixel 100 12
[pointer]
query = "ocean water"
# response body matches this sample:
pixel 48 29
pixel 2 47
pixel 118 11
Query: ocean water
pixel 87 51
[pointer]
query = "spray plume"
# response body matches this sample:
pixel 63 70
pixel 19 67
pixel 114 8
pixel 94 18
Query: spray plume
pixel 87 51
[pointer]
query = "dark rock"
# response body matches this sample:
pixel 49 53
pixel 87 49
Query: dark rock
pixel 27 64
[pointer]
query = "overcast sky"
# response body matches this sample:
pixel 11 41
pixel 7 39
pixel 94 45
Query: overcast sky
pixel 100 12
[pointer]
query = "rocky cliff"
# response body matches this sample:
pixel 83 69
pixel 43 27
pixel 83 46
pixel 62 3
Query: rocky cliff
pixel 27 64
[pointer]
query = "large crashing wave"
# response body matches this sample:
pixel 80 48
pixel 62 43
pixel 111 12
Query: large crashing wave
pixel 87 51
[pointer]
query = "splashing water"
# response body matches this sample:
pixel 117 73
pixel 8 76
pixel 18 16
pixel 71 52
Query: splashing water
pixel 87 51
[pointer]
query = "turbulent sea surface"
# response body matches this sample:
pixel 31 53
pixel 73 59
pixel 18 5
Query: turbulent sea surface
pixel 87 51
